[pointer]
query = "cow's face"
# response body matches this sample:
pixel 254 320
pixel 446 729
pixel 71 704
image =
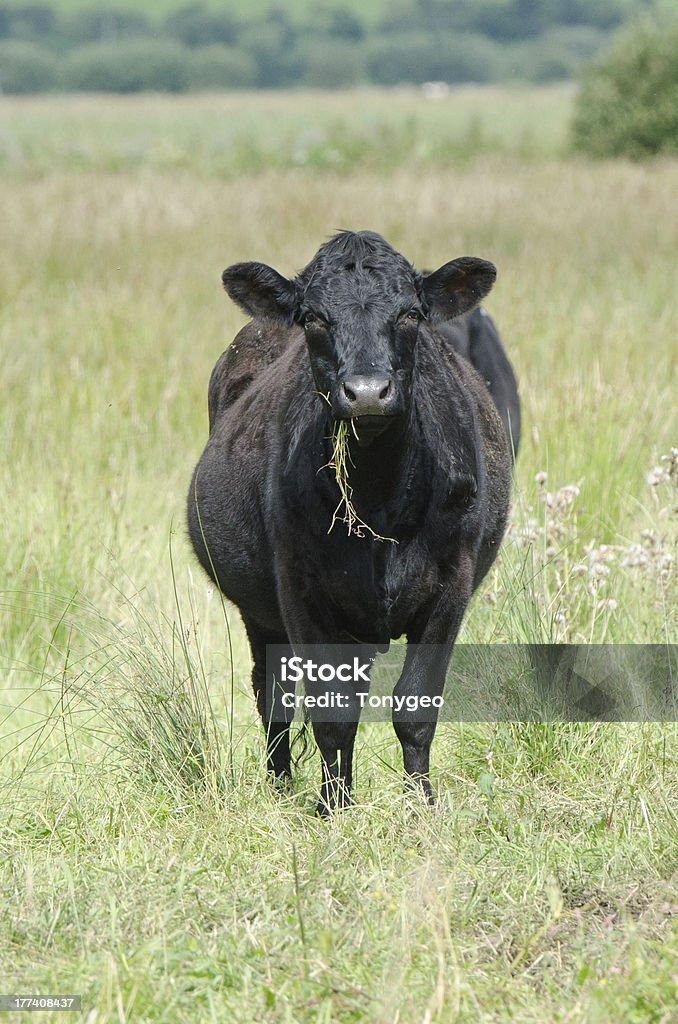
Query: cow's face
pixel 361 312
pixel 362 306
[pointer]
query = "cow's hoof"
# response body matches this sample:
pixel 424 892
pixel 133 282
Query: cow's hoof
pixel 323 810
pixel 282 781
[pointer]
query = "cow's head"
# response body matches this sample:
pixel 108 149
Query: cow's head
pixel 361 305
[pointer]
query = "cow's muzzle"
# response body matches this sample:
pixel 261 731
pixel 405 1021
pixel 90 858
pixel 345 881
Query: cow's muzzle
pixel 365 396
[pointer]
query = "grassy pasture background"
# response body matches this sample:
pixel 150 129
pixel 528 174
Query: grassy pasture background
pixel 224 136
pixel 148 866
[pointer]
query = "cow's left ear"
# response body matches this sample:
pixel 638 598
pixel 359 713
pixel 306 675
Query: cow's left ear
pixel 458 286
pixel 261 291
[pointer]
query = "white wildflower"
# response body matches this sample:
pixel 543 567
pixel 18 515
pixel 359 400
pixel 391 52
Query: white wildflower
pixel 635 557
pixel 656 476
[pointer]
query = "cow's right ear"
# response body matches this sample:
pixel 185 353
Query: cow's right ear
pixel 261 291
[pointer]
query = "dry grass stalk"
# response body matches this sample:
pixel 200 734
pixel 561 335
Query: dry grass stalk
pixel 345 512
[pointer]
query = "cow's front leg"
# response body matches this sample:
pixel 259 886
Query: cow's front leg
pixel 334 710
pixel 312 631
pixel 423 676
pixel 430 643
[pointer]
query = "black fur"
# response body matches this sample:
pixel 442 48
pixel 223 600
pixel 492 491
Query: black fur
pixel 432 470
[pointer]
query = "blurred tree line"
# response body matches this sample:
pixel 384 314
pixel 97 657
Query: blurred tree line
pixel 200 47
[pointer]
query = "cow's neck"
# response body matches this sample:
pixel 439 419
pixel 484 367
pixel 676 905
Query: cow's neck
pixel 379 470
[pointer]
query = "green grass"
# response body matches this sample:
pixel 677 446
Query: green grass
pixel 228 135
pixel 144 861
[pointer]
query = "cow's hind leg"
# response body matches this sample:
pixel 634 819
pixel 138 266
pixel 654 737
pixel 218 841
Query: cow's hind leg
pixel 268 692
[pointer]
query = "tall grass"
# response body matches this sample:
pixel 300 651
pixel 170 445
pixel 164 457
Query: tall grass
pixel 144 861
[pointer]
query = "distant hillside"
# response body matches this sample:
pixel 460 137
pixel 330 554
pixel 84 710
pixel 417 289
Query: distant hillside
pixel 604 13
pixel 368 11
pixel 171 46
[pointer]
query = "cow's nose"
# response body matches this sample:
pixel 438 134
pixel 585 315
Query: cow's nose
pixel 367 396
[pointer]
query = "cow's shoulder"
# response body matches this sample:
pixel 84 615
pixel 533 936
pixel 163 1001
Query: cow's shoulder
pixel 259 344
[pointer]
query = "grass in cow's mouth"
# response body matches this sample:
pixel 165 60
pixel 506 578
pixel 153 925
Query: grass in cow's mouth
pixel 345 512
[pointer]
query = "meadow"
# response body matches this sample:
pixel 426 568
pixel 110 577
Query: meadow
pixel 226 136
pixel 145 863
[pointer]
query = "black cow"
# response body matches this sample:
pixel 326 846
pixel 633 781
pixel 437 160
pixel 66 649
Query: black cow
pixel 359 335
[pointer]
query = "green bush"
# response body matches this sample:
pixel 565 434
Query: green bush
pixel 628 100
pixel 333 65
pixel 194 25
pixel 127 67
pixel 271 45
pixel 31 22
pixel 220 67
pixel 102 24
pixel 419 57
pixel 553 56
pixel 25 68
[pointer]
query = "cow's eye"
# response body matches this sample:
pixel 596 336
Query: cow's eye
pixel 412 315
pixel 312 320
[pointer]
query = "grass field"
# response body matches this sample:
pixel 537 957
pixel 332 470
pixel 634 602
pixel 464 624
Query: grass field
pixel 230 135
pixel 144 862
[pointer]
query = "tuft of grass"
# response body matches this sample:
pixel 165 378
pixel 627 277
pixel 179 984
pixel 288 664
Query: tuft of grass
pixel 132 696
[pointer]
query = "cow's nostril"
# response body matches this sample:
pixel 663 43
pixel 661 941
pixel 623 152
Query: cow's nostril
pixel 385 391
pixel 350 394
